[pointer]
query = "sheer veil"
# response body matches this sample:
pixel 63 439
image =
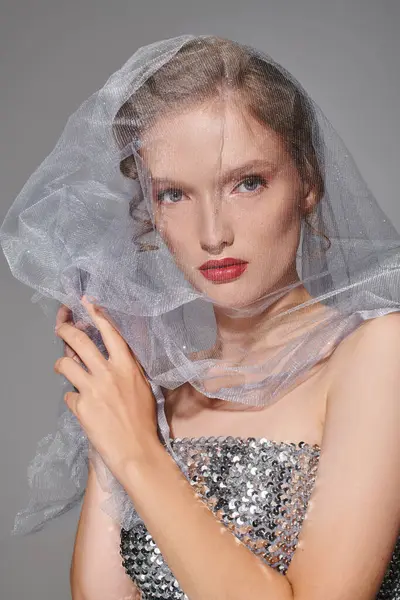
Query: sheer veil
pixel 86 221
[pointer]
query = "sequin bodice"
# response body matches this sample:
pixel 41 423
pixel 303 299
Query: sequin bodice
pixel 259 489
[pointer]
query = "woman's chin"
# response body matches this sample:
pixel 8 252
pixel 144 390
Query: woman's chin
pixel 231 296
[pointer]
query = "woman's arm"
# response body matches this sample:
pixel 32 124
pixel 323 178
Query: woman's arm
pixel 96 569
pixel 354 517
pixel 353 521
pixel 354 513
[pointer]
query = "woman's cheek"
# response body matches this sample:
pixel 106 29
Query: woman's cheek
pixel 181 247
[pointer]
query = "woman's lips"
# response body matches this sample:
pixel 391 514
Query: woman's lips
pixel 222 271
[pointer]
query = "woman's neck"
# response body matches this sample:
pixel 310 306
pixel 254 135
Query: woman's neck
pixel 247 332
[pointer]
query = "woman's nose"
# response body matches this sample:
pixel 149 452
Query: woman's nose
pixel 215 229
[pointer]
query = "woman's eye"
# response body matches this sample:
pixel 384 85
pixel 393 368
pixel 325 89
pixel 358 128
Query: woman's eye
pixel 251 183
pixel 172 195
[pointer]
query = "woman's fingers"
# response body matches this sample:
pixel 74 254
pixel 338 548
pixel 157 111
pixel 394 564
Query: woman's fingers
pixel 82 345
pixel 71 399
pixel 79 346
pixel 68 351
pixel 73 372
pixel 64 315
pixel 113 341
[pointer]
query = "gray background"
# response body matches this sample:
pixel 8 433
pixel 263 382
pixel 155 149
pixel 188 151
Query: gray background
pixel 53 55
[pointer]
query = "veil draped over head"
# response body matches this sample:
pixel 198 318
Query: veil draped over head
pixel 319 256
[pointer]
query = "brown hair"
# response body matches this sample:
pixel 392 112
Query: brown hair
pixel 204 68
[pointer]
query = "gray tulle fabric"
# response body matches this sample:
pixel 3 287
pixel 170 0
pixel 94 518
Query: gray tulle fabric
pixel 82 223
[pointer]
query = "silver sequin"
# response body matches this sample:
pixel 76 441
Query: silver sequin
pixel 259 489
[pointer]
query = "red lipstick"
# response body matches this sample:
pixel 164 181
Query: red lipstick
pixel 224 270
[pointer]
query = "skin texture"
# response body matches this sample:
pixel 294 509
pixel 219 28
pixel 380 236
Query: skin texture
pixel 102 403
pixel 207 198
pixel 209 214
pixel 114 404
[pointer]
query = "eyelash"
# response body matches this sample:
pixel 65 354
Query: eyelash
pixel 259 178
pixel 166 191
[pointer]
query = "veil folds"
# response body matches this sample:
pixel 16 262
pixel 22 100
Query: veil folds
pixel 85 222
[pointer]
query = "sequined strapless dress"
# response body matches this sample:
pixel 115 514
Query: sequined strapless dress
pixel 259 489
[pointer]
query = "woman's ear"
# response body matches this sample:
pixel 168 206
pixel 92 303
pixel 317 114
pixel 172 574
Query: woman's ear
pixel 310 195
pixel 312 186
pixel 310 199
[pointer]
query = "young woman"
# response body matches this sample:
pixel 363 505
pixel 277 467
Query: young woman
pixel 279 392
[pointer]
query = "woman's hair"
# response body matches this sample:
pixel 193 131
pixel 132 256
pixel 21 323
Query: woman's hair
pixel 207 67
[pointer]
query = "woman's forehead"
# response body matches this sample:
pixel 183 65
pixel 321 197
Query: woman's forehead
pixel 209 139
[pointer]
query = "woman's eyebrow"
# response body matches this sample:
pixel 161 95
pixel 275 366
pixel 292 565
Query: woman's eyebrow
pixel 245 168
pixel 226 177
pixel 166 181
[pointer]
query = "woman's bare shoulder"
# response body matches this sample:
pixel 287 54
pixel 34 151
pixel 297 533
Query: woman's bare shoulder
pixel 360 457
pixel 370 334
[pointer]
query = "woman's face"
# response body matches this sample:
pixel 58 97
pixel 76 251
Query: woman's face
pixel 225 190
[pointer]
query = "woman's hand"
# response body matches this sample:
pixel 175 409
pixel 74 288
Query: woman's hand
pixel 114 402
pixel 64 315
